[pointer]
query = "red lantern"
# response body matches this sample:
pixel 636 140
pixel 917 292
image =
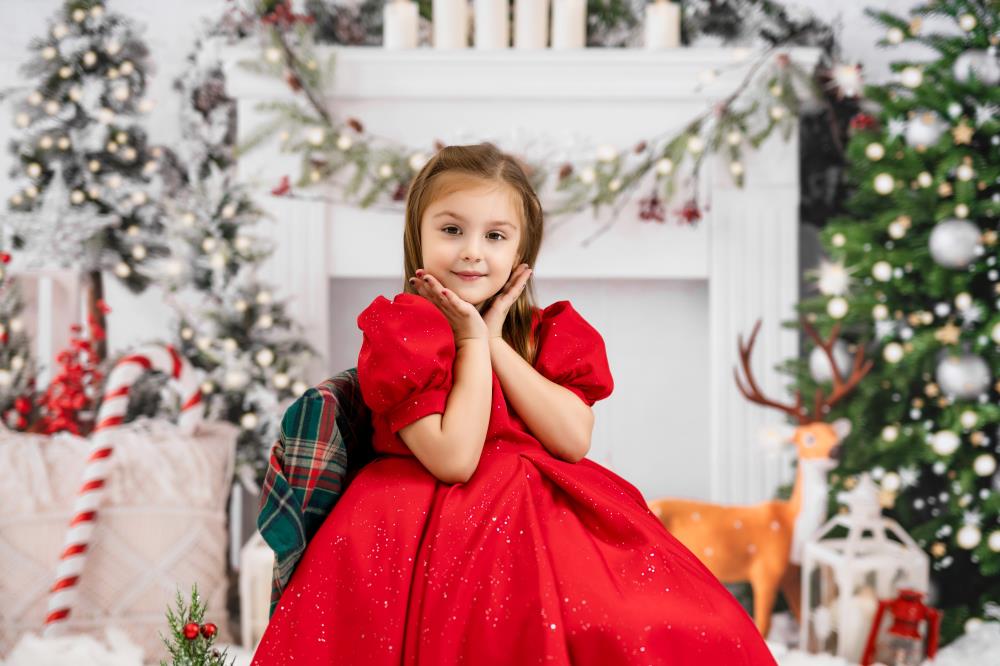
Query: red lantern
pixel 903 644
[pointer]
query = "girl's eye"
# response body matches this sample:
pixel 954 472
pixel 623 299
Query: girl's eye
pixel 448 228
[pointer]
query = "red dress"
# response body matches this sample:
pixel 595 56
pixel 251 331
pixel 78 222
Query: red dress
pixel 534 560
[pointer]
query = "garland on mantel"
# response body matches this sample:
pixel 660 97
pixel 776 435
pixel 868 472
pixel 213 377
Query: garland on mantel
pixel 768 99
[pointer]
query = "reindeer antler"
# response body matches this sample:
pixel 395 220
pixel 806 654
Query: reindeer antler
pixel 840 386
pixel 754 394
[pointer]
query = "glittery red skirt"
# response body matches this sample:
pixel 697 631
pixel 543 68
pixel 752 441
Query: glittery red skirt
pixel 533 561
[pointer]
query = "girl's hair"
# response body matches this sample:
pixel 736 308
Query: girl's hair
pixel 483 162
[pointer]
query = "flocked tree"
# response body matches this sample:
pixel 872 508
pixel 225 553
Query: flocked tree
pixel 85 171
pixel 17 365
pixel 913 270
pixel 230 324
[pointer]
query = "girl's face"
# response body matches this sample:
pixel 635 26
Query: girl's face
pixel 474 229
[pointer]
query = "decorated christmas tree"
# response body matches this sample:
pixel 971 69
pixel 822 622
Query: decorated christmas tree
pixel 84 169
pixel 17 365
pixel 913 268
pixel 230 324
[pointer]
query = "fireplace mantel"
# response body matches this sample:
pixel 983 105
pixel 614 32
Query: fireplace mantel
pixel 680 295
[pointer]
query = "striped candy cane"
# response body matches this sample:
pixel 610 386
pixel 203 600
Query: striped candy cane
pixel 164 358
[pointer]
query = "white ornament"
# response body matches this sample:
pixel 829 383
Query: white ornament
pixel 839 240
pixel 995 333
pixel 967 22
pixel 963 301
pixel 924 129
pixel 968 419
pixel 281 380
pixel 984 464
pixel 911 77
pixel 834 279
pixel 895 35
pixel 969 537
pixel 963 377
pixel 848 79
pixel 299 387
pixel 882 271
pixel 978 63
pixel 249 421
pixel 819 364
pixel 890 433
pixel 837 307
pixel 344 142
pixel 994 541
pixel 945 442
pixel 264 358
pixel 884 183
pixel 316 136
pixel 925 179
pixel 664 166
pixel 965 172
pixel 953 243
pixel 695 144
pixel 874 151
pixel 893 352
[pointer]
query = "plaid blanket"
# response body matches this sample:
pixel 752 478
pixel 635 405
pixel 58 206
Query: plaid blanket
pixel 324 440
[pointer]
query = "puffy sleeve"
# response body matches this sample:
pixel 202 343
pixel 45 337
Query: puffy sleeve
pixel 406 359
pixel 571 352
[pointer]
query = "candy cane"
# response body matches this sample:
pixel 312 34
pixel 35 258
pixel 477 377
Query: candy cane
pixel 64 593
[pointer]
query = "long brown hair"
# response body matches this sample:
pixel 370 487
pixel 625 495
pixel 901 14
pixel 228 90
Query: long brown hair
pixel 483 161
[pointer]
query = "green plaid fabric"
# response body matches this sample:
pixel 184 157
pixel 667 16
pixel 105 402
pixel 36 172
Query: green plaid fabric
pixel 324 440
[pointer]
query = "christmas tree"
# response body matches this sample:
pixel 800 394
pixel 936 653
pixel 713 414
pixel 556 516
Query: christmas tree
pixel 913 269
pixel 230 324
pixel 86 172
pixel 17 365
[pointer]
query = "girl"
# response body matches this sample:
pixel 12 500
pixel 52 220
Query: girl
pixel 481 534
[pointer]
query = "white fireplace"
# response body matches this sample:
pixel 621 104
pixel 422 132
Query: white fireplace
pixel 669 300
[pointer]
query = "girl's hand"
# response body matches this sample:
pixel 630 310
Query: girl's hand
pixel 464 318
pixel 501 305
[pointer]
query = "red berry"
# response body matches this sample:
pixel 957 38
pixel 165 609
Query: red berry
pixel 191 631
pixel 5 257
pixel 208 630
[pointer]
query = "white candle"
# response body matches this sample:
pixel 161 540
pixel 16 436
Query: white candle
pixel 399 23
pixel 492 24
pixel 531 24
pixel 451 24
pixel 663 25
pixel 569 24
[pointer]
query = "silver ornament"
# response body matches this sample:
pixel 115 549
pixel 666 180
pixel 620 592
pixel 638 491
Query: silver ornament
pixel 963 377
pixel 819 364
pixel 924 129
pixel 955 243
pixel 984 65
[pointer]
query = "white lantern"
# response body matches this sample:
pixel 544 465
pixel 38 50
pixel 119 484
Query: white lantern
pixel 256 574
pixel 843 578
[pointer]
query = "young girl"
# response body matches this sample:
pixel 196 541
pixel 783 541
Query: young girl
pixel 481 534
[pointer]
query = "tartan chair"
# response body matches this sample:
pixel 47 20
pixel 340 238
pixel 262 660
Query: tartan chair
pixel 324 441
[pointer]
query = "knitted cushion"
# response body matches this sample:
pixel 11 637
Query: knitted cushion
pixel 161 527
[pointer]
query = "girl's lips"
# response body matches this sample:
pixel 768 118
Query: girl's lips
pixel 468 278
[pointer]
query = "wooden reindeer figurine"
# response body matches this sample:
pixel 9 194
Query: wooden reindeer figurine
pixel 756 543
